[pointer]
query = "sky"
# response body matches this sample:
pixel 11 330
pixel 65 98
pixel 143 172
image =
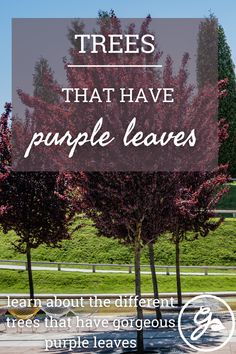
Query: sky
pixel 223 10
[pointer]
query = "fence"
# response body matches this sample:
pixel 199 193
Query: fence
pixel 117 268
pixel 227 211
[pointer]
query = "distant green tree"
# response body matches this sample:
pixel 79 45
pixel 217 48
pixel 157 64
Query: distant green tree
pixel 208 47
pixel 207 52
pixel 43 81
pixel 227 106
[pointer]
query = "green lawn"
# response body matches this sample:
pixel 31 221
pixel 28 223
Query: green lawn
pixel 59 282
pixel 218 248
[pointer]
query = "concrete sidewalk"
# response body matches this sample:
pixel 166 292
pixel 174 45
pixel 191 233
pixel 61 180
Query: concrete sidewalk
pixel 115 295
pixel 162 340
pixel 108 271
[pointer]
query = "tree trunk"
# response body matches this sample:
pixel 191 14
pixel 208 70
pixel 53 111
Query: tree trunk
pixel 30 274
pixel 140 341
pixel 154 279
pixel 178 278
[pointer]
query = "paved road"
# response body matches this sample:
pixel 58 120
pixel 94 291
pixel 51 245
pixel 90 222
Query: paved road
pixel 81 270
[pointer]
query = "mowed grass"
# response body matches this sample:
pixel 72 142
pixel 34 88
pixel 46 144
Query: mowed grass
pixel 218 248
pixel 68 283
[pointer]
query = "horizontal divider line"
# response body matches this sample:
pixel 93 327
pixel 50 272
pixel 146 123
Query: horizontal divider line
pixel 114 66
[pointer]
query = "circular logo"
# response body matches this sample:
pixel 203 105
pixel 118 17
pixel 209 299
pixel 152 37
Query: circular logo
pixel 206 323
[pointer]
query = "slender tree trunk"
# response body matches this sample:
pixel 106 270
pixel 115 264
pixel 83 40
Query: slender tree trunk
pixel 30 274
pixel 178 277
pixel 140 341
pixel 154 279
